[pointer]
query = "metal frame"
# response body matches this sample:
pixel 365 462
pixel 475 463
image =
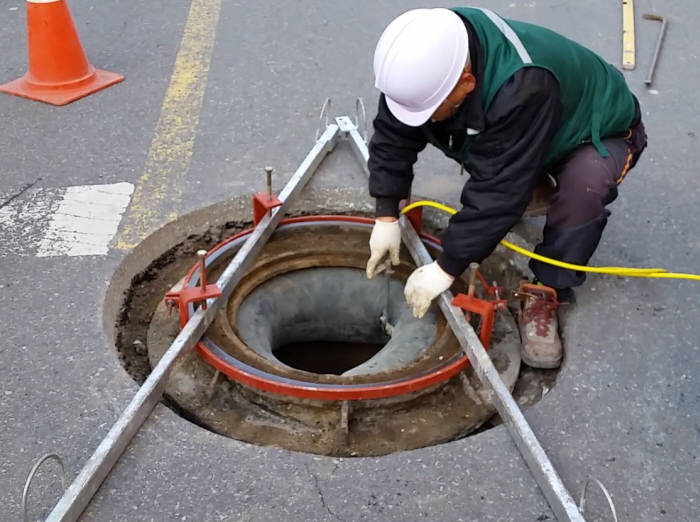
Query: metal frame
pixel 81 491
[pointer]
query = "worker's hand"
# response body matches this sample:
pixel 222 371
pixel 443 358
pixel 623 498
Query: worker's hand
pixel 424 285
pixel 385 240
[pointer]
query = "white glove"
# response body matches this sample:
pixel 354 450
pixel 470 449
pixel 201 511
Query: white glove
pixel 424 285
pixel 385 239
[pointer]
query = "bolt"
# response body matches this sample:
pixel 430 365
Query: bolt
pixel 473 267
pixel 201 254
pixel 268 173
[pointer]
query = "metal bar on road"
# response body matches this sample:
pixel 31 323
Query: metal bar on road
pixel 80 492
pixel 545 475
pixel 657 49
pixel 540 466
pixel 349 128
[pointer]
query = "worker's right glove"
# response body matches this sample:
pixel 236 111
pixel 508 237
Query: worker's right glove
pixel 385 240
pixel 424 285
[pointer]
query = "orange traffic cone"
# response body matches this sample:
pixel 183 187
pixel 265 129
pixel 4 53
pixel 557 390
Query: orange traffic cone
pixel 59 72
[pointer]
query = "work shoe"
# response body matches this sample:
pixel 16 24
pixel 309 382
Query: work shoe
pixel 541 346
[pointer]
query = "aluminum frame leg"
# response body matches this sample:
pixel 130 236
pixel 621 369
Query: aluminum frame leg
pixel 82 489
pixel 540 466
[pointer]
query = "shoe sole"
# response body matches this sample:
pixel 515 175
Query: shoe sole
pixel 545 365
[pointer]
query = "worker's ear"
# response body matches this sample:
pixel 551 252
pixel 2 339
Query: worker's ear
pixel 467 82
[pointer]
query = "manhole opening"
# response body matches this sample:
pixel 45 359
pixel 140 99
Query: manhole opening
pixel 318 354
pixel 331 357
pixel 327 320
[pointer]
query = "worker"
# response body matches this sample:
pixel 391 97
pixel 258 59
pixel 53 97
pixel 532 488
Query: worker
pixel 513 104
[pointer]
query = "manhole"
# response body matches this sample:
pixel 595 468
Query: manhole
pixel 332 357
pixel 298 357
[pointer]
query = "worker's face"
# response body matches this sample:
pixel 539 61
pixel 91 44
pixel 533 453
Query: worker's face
pixel 465 85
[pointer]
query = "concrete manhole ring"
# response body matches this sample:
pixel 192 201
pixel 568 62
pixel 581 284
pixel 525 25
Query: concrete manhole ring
pixel 275 301
pixel 304 296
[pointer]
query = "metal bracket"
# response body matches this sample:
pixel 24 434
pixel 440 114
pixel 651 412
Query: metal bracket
pixel 485 309
pixel 193 294
pixel 345 124
pixel 263 203
pixel 184 297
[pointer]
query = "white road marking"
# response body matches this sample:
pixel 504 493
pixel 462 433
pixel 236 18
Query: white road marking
pixel 86 220
pixel 74 221
pixel 23 220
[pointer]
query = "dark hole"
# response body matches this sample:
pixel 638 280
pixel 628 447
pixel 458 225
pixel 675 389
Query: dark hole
pixel 326 356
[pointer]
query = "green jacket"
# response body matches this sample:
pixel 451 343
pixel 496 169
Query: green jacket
pixel 596 101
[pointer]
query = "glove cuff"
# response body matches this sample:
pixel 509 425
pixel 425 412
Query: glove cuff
pixel 386 226
pixel 452 265
pixel 442 277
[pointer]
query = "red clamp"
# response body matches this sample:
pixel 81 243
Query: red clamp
pixel 263 203
pixel 192 294
pixel 486 309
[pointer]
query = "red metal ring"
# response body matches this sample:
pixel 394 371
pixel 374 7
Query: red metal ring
pixel 327 393
pixel 338 393
pixel 300 219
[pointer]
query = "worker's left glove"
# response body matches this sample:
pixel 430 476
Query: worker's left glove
pixel 424 285
pixel 384 244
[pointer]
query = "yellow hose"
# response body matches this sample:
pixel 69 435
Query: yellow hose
pixel 621 271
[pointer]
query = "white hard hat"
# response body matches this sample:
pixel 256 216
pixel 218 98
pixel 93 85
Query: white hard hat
pixel 418 61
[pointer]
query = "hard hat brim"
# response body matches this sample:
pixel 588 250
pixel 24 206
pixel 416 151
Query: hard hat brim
pixel 410 117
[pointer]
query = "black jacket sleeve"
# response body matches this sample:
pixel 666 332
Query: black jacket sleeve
pixel 393 150
pixel 505 163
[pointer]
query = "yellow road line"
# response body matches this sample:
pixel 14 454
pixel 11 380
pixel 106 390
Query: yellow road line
pixel 173 141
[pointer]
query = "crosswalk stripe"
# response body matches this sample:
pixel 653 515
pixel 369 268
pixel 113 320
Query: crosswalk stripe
pixel 73 221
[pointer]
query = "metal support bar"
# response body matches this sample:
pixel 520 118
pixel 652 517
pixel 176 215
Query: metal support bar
pixel 349 129
pixel 78 495
pixel 540 466
pixel 550 483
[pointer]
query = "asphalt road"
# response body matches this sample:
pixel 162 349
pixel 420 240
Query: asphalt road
pixel 627 404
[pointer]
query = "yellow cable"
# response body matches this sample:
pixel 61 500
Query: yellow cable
pixel 621 271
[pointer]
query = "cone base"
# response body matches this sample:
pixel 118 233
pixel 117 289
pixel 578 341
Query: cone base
pixel 61 94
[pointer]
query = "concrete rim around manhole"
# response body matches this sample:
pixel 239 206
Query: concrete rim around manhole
pixel 439 412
